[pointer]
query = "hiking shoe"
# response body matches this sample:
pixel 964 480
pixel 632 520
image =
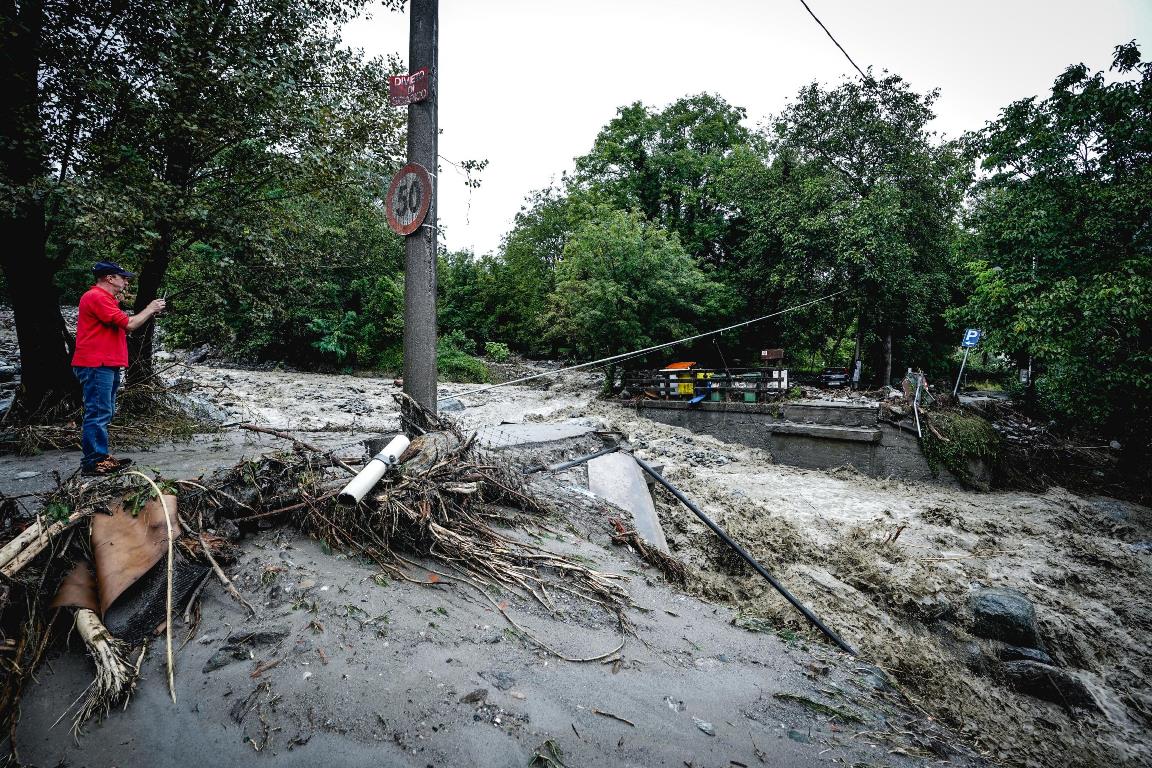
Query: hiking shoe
pixel 105 467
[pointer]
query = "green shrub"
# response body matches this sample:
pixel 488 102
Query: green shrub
pixel 455 359
pixel 496 351
pixel 336 337
pixel 454 366
pixel 452 363
pixel 953 438
pixel 391 360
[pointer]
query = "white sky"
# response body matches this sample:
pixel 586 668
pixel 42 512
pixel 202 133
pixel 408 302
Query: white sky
pixel 528 84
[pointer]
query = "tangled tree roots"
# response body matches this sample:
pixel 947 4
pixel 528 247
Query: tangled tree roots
pixel 115 676
pixel 440 506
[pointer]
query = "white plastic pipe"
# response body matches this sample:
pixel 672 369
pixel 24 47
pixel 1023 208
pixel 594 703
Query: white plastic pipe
pixel 371 474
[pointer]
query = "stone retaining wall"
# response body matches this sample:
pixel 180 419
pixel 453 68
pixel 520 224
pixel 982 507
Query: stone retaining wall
pixel 811 434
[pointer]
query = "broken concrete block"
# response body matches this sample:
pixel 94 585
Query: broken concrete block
pixel 617 478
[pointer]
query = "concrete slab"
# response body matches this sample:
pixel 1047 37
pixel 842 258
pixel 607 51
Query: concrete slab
pixel 617 478
pixel 508 435
pixel 855 434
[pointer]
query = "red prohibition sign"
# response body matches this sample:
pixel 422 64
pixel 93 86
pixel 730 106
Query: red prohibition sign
pixel 409 198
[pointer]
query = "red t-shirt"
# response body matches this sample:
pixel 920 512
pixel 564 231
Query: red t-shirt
pixel 101 331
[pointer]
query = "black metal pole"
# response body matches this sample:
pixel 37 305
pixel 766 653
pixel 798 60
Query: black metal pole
pixel 420 246
pixel 813 618
pixel 573 462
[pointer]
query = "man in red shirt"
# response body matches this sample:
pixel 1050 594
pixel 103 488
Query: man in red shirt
pixel 101 351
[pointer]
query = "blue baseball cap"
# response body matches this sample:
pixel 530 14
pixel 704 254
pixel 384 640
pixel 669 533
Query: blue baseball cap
pixel 102 268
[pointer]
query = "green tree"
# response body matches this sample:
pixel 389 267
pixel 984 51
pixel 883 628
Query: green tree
pixel 167 127
pixel 861 195
pixel 465 293
pixel 307 277
pixel 667 164
pixel 230 100
pixel 1061 245
pixel 624 284
pixel 524 276
pixel 43 41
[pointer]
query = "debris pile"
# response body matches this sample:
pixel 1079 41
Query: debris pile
pixel 439 507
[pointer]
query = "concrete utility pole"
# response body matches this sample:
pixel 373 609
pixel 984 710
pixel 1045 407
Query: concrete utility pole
pixel 420 246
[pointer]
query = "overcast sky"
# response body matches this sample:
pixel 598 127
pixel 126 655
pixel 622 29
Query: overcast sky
pixel 527 84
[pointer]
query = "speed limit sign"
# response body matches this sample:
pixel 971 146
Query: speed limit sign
pixel 409 198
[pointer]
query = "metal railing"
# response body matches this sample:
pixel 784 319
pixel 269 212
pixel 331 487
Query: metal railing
pixel 743 385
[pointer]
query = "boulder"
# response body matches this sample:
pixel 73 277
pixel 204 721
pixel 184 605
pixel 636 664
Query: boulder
pixel 1005 615
pixel 1049 683
pixel 450 405
pixel 1015 653
pixel 199 355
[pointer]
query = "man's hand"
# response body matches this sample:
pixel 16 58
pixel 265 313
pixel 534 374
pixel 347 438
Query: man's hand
pixel 155 307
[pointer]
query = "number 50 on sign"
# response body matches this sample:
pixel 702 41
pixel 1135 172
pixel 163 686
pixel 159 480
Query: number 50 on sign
pixel 409 198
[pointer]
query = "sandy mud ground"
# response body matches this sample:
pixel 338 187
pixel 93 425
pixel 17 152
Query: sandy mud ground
pixel 375 671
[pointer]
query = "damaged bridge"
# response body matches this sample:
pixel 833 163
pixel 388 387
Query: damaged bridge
pixel 814 434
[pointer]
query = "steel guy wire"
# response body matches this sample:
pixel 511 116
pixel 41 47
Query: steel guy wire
pixel 629 355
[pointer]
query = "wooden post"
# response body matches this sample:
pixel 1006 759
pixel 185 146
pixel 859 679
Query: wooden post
pixel 420 246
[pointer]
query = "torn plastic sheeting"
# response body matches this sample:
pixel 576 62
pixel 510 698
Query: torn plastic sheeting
pixel 126 588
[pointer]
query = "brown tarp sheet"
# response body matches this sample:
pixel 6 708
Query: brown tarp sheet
pixel 124 548
pixel 78 590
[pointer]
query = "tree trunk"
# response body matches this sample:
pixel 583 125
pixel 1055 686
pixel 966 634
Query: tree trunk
pixel 45 345
pixel 856 359
pixel 177 178
pixel 140 368
pixel 887 367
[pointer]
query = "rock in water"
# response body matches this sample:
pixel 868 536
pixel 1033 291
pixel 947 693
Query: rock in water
pixel 1004 614
pixel 1049 683
pixel 1015 653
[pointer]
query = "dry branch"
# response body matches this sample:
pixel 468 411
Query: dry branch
pixel 227 582
pixel 295 441
pixel 31 542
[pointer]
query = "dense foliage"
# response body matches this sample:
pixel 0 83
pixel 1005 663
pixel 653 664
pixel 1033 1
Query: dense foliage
pixel 1061 245
pixel 230 152
pixel 845 192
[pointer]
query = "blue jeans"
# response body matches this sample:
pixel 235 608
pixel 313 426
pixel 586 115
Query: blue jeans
pixel 99 386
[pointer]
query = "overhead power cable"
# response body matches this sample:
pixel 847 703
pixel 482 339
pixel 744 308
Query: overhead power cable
pixel 628 355
pixel 833 39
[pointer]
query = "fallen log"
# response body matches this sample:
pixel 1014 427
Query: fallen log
pixel 31 542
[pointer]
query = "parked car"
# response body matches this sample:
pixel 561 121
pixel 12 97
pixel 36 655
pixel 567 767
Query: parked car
pixel 835 377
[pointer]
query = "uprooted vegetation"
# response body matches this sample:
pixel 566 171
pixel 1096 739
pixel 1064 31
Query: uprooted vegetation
pixel 438 516
pixel 954 440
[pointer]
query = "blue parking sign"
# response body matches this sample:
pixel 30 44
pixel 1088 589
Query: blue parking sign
pixel 971 337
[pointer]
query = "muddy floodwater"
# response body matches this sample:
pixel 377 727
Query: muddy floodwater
pixel 721 672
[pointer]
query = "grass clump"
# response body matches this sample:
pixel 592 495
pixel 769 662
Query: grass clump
pixel 954 439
